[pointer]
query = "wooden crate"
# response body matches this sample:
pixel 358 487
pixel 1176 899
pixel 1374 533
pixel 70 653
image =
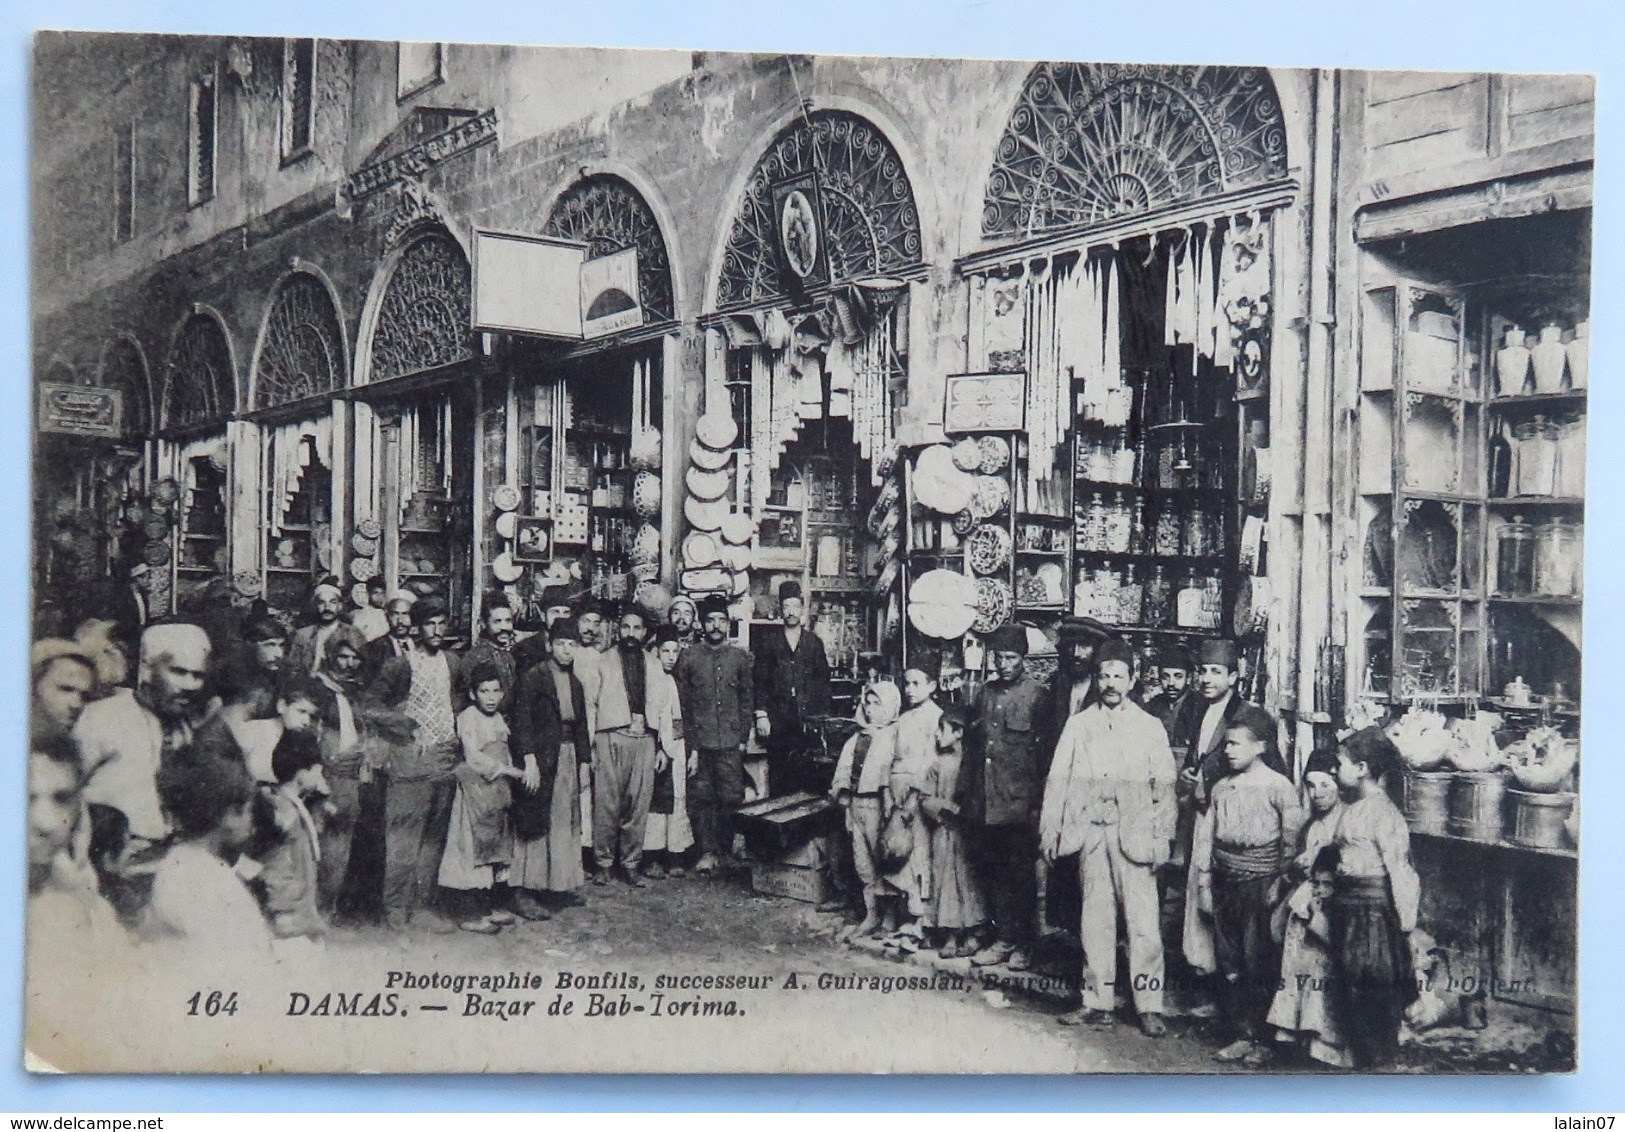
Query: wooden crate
pixel 794 881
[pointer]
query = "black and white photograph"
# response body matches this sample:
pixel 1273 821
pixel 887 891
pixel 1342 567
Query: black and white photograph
pixel 674 561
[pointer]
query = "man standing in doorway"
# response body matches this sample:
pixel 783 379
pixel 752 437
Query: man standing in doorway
pixel 716 689
pixel 306 646
pixel 623 751
pixel 1109 798
pixel 792 686
pixel 423 684
pixel 1000 792
pixel 395 643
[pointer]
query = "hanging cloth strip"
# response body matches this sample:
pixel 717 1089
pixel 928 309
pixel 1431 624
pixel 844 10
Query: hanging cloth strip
pixel 761 426
pixel 406 466
pixel 290 455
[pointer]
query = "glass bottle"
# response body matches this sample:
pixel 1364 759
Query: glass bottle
pixel 1119 525
pixel 1130 598
pixel 1123 460
pixel 1095 524
pixel 1500 462
pixel 1537 458
pixel 1138 535
pixel 1514 559
pixel 1557 559
pixel 1157 599
pixel 1193 532
pixel 1166 538
pixel 1188 603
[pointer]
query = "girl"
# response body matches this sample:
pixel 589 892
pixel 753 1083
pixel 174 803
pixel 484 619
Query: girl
pixel 479 846
pixel 859 788
pixel 955 908
pixel 1374 906
pixel 1303 1011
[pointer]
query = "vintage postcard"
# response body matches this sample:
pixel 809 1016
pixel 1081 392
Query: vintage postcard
pixel 666 561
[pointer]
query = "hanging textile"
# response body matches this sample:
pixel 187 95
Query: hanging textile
pixel 406 458
pixel 1242 302
pixel 290 456
pixel 761 427
pixel 364 430
pixel 1119 400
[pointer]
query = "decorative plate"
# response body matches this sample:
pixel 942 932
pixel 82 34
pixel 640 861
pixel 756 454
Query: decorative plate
pixel 964 522
pixel 156 554
pixel 741 583
pixel 717 431
pixel 156 529
pixel 988 549
pixel 706 486
pixel 505 569
pixel 507 525
pixel 994 604
pixel 967 455
pixel 646 544
pixel 1054 579
pixel 646 494
pixel 736 557
pixel 324 556
pixel 945 622
pixel 991 496
pixel 738 528
pixel 995 455
pixel 943 587
pixel 700 550
pixel 427 566
pixel 706 581
pixel 166 490
pixel 369 528
pixel 364 546
pixel 135 514
pixel 249 584
pixel 939 484
pixel 358 595
pixel 505 497
pixel 363 569
pixel 704 516
pixel 321 532
pixel 708 458
pixel 646 572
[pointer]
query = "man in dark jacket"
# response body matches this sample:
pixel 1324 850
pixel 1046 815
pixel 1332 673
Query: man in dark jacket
pixel 397 642
pixel 1000 793
pixel 1168 705
pixel 716 689
pixel 792 688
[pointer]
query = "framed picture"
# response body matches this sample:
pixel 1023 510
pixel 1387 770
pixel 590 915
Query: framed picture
pixel 798 224
pixel 531 540
pixel 985 402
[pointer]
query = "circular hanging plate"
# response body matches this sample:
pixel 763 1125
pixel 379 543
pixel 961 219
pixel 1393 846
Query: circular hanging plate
pixel 938 484
pixel 943 587
pixel 250 585
pixel 362 545
pixel 964 523
pixel 990 497
pixel 700 550
pixel 646 544
pixel 321 532
pixel 738 528
pixel 505 569
pixel 157 529
pixel 135 514
pixel 741 583
pixel 646 494
pixel 363 569
pixel 156 554
pixel 993 605
pixel 703 516
pixel 967 455
pixel 945 622
pixel 708 458
pixel 706 485
pixel 369 528
pixel 505 497
pixel 706 581
pixel 736 557
pixel 988 549
pixel 507 524
pixel 166 490
pixel 717 431
pixel 995 455
pixel 324 557
pixel 358 595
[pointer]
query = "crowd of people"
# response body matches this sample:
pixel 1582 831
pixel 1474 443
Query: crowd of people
pixel 237 786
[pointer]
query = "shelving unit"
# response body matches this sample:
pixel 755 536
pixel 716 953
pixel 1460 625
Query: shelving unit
pixel 295 555
pixel 199 550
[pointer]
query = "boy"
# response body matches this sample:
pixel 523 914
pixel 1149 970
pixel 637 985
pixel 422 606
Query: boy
pixel 955 908
pixel 1245 842
pixel 288 871
pixel 479 845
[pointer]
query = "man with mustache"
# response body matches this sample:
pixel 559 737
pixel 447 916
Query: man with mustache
pixel 717 691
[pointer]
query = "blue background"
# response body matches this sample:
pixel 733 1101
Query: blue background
pixel 1466 35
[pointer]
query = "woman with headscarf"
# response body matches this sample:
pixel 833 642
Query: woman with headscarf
pixel 860 788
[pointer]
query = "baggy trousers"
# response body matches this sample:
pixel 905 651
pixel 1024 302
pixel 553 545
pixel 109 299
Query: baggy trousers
pixel 1005 860
pixel 336 837
pixel 715 791
pixel 623 778
pixel 417 815
pixel 1249 960
pixel 1112 883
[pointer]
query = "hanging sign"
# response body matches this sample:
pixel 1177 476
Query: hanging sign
pixel 798 222
pixel 527 284
pixel 80 410
pixel 609 294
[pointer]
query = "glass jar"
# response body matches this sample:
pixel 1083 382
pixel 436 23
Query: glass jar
pixel 1130 599
pixel 1165 540
pixel 1515 559
pixel 1557 559
pixel 1119 525
pixel 1193 538
pixel 1158 600
pixel 1188 612
pixel 1537 457
pixel 1123 460
pixel 1094 524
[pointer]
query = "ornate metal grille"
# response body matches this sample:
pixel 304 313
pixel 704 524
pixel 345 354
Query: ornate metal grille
pixel 871 226
pixel 424 320
pixel 609 215
pixel 199 385
pixel 303 352
pixel 1090 142
pixel 124 370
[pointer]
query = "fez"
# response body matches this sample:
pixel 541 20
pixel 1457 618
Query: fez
pixel 1220 652
pixel 1009 638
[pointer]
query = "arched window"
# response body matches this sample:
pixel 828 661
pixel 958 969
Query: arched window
pixel 124 370
pixel 302 351
pixel 870 224
pixel 424 319
pixel 1089 143
pixel 199 386
pixel 609 215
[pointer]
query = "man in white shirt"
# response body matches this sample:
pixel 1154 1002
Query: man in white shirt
pixel 1109 798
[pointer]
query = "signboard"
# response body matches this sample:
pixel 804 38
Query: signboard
pixel 527 284
pixel 80 410
pixel 798 221
pixel 610 301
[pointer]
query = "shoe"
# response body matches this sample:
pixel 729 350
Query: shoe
pixel 1084 1016
pixel 950 950
pixel 706 865
pixel 1020 960
pixel 677 872
pixel 569 900
pixel 632 880
pixel 1152 1025
pixel 993 954
pixel 600 877
pixel 1235 1051
pixel 1258 1057
pixel 481 926
pixel 654 871
pixel 529 907
pixel 502 918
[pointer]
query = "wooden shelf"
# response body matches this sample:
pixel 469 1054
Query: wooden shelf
pixel 1570 854
pixel 191 536
pixel 1092 486
pixel 1154 559
pixel 1045 553
pixel 1535 599
pixel 1514 501
pixel 1539 400
pixel 299 570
